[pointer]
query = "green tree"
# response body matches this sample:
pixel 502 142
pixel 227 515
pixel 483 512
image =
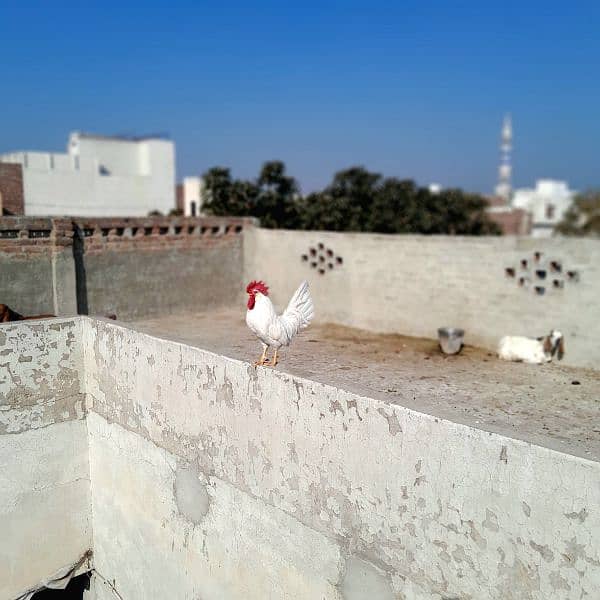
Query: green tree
pixel 225 196
pixel 277 199
pixel 345 204
pixel 583 216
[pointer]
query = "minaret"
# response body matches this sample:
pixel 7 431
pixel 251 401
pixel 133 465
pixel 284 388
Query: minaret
pixel 504 187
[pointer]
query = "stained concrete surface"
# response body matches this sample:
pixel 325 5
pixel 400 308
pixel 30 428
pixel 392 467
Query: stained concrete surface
pixel 551 405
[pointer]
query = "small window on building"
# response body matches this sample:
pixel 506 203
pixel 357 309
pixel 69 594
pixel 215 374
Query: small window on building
pixel 193 209
pixel 550 210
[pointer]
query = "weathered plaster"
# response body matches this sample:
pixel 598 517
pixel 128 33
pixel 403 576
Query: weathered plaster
pixel 436 505
pixel 41 373
pixel 211 479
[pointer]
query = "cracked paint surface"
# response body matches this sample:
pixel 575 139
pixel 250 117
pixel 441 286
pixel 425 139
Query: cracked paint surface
pixel 214 479
pixel 45 515
pixel 41 373
pixel 443 509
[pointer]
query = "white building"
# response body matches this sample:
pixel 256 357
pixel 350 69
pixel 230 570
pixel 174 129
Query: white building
pixel 99 176
pixel 547 203
pixel 193 196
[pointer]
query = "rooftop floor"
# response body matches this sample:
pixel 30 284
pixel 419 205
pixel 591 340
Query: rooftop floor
pixel 549 405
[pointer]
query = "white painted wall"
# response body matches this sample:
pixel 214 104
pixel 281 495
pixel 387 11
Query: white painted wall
pixel 411 284
pixel 99 177
pixel 45 504
pixel 193 196
pixel 548 194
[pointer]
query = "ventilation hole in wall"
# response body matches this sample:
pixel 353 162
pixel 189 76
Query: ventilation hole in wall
pixel 339 260
pixel 215 230
pixel 88 232
pixel 330 265
pixel 329 252
pixel 320 246
pixel 39 233
pixel 204 230
pixel 120 231
pixel 321 271
pixel 321 259
pixel 134 231
pixel 573 275
pixel 178 229
pixel 190 229
pixel 147 230
pixel 9 233
pixel 523 263
pixel 522 281
pixel 105 232
pixel 509 271
pixel 312 251
pixel 163 230
pixel 555 266
pixel 541 273
pixel 313 265
pixel 304 257
pixel 557 283
pixel 537 256
pixel 227 229
pixel 238 229
pixel 540 290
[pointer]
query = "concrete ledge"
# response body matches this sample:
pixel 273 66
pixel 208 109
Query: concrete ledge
pixel 212 479
pixel 426 507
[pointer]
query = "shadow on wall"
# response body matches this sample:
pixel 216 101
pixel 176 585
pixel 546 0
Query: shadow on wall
pixel 74 590
pixel 80 275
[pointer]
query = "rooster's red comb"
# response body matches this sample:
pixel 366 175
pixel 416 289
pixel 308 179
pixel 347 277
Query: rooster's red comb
pixel 260 286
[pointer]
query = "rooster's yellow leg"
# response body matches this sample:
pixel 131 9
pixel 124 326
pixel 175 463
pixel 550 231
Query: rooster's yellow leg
pixel 263 359
pixel 274 361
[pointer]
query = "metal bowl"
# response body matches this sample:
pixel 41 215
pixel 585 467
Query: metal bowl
pixel 451 339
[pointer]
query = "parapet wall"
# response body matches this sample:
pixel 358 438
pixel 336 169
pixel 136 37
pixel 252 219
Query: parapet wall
pixel 131 267
pixel 45 515
pixel 413 284
pixel 212 479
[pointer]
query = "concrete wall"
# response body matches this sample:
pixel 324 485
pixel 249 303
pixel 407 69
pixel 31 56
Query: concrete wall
pixel 415 284
pixel 131 267
pixel 163 272
pixel 45 515
pixel 37 272
pixel 212 479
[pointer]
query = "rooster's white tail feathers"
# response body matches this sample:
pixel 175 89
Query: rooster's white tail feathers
pixel 298 313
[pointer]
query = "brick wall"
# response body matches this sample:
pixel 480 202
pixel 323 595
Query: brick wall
pixel 512 222
pixel 134 267
pixel 11 189
pixel 179 199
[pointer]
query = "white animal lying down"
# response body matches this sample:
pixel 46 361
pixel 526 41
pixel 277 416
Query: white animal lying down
pixel 531 350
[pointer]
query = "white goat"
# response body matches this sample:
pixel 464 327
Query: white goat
pixel 531 350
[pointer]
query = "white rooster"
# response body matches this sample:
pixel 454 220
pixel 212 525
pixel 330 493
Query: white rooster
pixel 272 330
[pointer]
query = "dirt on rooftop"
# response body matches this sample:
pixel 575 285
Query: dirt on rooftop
pixel 550 405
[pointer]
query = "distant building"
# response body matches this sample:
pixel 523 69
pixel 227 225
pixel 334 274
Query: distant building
pixel 547 202
pixel 97 176
pixel 504 187
pixel 193 196
pixel 511 220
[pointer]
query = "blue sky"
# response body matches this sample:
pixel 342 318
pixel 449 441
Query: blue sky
pixel 411 89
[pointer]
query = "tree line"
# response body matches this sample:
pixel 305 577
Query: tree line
pixel 355 200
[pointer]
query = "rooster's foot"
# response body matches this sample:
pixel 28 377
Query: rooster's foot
pixel 273 362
